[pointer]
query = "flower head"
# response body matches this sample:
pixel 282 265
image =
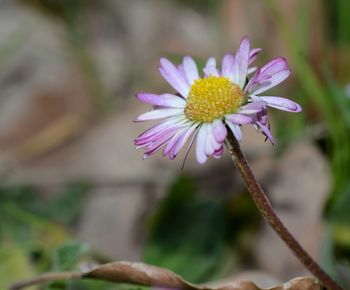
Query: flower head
pixel 204 108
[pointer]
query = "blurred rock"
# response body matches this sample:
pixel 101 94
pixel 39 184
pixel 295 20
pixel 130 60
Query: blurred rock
pixel 43 98
pixel 109 223
pixel 162 25
pixel 34 60
pixel 105 154
pixel 44 81
pixel 301 185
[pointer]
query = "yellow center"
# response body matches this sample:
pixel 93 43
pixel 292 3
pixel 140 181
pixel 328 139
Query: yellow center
pixel 212 98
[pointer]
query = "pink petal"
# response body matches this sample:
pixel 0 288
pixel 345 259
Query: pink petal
pixel 164 100
pixel 146 141
pixel 158 143
pixel 171 74
pixel 219 131
pixel 216 145
pixel 265 129
pixel 274 81
pixel 190 69
pixel 282 104
pixel 159 127
pixel 212 144
pixel 252 108
pixel 240 119
pixel 241 61
pixel 252 81
pixel 274 66
pixel 173 141
pixel 227 66
pixel 200 145
pixel 181 70
pixel 270 75
pixel 182 141
pixel 253 54
pixel 218 153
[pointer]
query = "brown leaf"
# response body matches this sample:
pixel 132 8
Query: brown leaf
pixel 139 273
pixel 148 275
pixel 301 283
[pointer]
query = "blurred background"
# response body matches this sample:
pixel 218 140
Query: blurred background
pixel 74 191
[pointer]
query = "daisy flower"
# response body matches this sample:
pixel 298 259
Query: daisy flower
pixel 204 108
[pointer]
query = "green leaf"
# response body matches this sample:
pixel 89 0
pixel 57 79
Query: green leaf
pixel 193 235
pixel 67 207
pixel 67 256
pixel 14 265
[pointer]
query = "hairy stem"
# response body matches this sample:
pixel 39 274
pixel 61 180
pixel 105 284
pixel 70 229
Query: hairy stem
pixel 264 206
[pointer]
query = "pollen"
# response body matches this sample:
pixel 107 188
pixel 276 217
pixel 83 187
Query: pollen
pixel 212 98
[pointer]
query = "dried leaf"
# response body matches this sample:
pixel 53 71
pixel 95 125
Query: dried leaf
pixel 148 275
pixel 139 273
pixel 300 283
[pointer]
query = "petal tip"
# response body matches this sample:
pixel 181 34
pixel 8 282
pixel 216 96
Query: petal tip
pixel 245 38
pixel 138 96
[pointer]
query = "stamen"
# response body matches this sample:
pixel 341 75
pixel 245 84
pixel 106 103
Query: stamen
pixel 212 98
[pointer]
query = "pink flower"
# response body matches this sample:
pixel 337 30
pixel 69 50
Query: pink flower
pixel 205 108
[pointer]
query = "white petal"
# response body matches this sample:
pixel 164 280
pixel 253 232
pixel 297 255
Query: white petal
pixel 251 70
pixel 200 145
pixel 209 148
pixel 236 130
pixel 159 114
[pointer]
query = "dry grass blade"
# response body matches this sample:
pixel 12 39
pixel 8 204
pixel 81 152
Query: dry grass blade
pixel 148 275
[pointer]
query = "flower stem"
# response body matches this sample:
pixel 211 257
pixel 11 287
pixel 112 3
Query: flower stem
pixel 265 208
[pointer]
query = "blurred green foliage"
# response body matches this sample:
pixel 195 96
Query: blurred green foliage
pixel 208 6
pixel 67 11
pixel 338 20
pixel 334 105
pixel 68 257
pixel 200 238
pixel 31 227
